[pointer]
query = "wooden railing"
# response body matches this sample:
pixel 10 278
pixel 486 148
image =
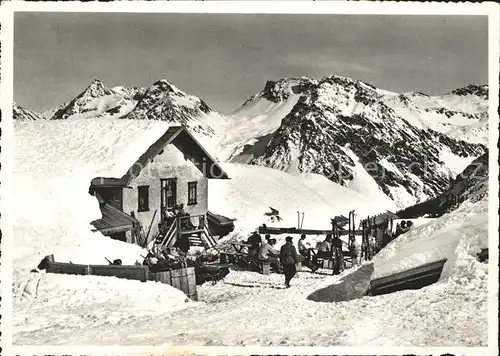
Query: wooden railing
pixel 190 223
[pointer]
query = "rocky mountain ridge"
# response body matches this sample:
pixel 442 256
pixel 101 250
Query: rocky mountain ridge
pixel 160 101
pixel 404 140
pixel 22 114
pixel 411 145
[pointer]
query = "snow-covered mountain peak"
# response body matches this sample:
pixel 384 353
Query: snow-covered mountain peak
pixel 165 86
pixel 95 99
pixel 96 89
pixel 480 91
pixel 21 114
pixel 164 101
pixel 416 143
pixel 281 90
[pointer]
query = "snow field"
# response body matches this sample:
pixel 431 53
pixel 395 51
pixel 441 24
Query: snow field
pixel 252 190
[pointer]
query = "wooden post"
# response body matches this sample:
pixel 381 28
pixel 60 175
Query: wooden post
pixel 352 227
pixel 367 237
pixel 178 225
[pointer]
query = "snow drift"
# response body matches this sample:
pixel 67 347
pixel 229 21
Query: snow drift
pixel 54 162
pixel 453 236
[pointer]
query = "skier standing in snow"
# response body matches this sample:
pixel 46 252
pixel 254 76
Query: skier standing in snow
pixel 288 259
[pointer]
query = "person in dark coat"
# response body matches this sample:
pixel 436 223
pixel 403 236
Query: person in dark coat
pixel 255 240
pixel 336 242
pixel 337 253
pixel 183 244
pixel 401 228
pixel 288 259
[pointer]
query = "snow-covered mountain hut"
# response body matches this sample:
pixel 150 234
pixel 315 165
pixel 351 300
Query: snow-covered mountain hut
pixel 173 171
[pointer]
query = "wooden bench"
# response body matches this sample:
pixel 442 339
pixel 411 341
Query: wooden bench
pixel 265 267
pixel 351 257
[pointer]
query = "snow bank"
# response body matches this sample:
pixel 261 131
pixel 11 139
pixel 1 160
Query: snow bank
pixel 352 285
pixel 54 162
pixel 457 236
pixel 90 301
pixel 252 190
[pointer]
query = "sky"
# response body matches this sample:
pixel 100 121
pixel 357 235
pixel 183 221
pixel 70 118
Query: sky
pixel 226 58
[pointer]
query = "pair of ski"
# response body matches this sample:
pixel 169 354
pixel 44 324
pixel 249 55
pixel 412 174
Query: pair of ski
pixel 300 221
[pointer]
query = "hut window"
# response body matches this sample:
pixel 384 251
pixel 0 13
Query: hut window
pixel 143 198
pixel 192 193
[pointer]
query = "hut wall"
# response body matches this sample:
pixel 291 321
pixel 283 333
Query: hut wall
pixel 168 164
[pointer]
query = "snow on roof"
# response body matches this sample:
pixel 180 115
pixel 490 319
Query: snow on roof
pixel 54 162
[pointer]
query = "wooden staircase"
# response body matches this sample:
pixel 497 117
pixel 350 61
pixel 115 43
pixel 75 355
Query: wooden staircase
pixel 198 235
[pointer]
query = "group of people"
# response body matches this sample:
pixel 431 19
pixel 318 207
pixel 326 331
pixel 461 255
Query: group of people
pixel 169 216
pixel 403 227
pixel 163 259
pixel 264 250
pixel 328 248
pixel 284 261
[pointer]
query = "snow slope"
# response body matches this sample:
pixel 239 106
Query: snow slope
pixel 88 303
pixel 457 111
pixel 251 124
pixel 253 189
pixel 364 183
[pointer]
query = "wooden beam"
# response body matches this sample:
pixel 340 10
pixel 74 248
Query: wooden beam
pixel 294 230
pixel 128 272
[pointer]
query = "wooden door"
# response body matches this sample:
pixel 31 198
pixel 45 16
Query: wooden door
pixel 168 193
